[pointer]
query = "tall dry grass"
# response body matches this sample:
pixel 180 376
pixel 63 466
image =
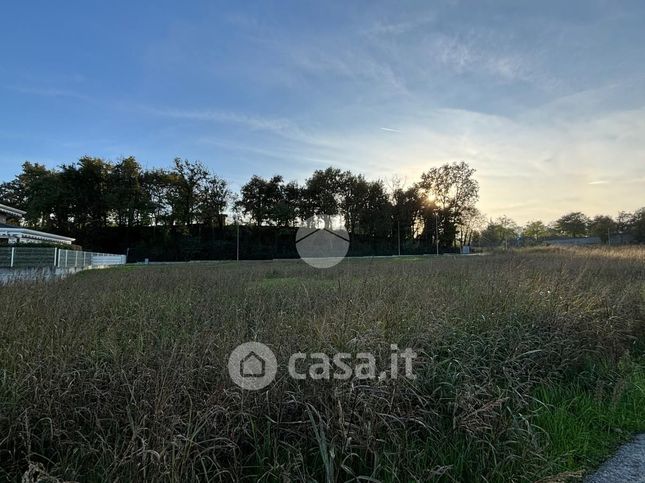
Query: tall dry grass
pixel 120 375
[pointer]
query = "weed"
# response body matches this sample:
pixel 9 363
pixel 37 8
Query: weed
pixel 530 365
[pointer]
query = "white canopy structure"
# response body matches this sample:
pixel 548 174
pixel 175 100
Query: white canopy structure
pixel 10 234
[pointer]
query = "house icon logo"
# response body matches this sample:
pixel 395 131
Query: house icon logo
pixel 320 246
pixel 252 366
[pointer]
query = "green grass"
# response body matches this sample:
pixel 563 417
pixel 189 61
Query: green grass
pixel 531 365
pixel 583 424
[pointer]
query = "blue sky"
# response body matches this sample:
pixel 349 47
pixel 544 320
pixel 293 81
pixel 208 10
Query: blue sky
pixel 545 99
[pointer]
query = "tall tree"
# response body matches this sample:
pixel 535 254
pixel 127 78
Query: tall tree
pixel 471 221
pixel 84 190
pixel 214 198
pixel 354 193
pixel 287 209
pixel 500 232
pixel 37 191
pixel 573 224
pixel 126 195
pixel 188 182
pixel 603 227
pixel 325 191
pixel 158 185
pixel 453 189
pixel 12 193
pixel 623 222
pixel 259 198
pixel 535 230
pixel 637 225
pixel 407 208
pixel 376 214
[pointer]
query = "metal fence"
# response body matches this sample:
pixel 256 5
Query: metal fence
pixel 28 257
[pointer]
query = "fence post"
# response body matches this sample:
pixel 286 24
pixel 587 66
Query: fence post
pixel 13 252
pixel 55 257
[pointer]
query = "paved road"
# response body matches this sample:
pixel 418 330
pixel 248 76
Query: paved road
pixel 626 466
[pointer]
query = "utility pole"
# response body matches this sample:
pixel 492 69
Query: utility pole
pixel 398 233
pixel 436 229
pixel 237 241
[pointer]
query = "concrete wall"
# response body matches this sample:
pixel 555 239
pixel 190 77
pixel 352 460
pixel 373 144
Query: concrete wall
pixel 591 240
pixel 42 274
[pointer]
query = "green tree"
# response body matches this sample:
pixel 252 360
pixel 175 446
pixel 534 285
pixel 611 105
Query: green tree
pixel 535 230
pixel 37 191
pixel 573 224
pixel 637 225
pixel 286 211
pixel 407 208
pixel 214 198
pixel 375 216
pixel 83 193
pixel 324 191
pixel 259 198
pixel 602 226
pixel 188 183
pixel 453 189
pixel 126 195
pixel 12 194
pixel 502 231
pixel 623 222
pixel 353 199
pixel 157 186
pixel 471 222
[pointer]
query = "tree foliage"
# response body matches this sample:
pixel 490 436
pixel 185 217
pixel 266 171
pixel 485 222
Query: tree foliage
pixel 93 194
pixel 535 230
pixel 573 224
pixel 454 190
pixel 502 231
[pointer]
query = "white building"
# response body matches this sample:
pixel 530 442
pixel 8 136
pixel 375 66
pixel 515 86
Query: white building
pixel 11 234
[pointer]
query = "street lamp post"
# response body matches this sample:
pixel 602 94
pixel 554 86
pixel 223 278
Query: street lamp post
pixel 436 229
pixel 237 237
pixel 398 234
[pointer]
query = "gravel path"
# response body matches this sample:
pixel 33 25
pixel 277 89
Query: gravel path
pixel 626 466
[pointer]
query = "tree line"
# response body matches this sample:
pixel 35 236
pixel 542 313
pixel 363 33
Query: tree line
pixel 93 194
pixel 626 227
pixel 95 200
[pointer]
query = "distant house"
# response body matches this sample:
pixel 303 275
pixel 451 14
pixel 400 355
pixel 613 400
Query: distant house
pixel 577 241
pixel 616 239
pixel 12 234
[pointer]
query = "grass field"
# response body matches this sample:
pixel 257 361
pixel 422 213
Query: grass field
pixel 530 366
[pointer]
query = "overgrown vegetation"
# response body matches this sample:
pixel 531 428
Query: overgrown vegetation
pixel 530 366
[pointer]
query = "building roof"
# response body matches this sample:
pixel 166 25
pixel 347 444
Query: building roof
pixel 18 231
pixel 12 211
pixel 13 231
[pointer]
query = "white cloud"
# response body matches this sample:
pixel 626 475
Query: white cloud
pixel 49 92
pixel 388 28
